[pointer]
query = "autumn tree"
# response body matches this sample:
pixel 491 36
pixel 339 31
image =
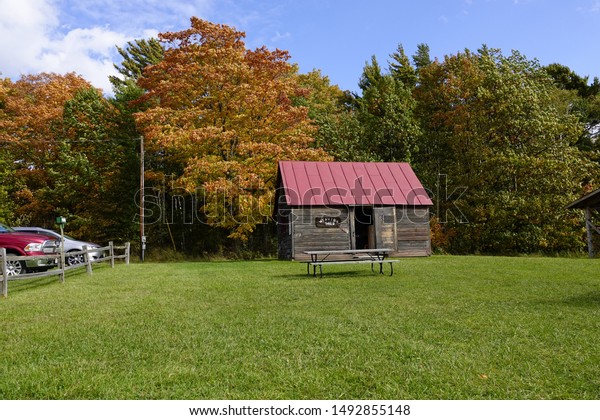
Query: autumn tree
pixel 378 124
pixel 225 115
pixel 583 101
pixel 30 127
pixel 323 100
pixel 66 157
pixel 98 158
pixel 6 167
pixel 6 176
pixel 506 150
pixel 333 111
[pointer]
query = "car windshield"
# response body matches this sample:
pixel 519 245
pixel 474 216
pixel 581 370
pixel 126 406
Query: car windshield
pixel 5 229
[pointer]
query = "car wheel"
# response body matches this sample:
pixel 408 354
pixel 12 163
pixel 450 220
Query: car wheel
pixel 74 259
pixel 14 267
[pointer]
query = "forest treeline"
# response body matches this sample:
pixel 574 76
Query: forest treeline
pixel 501 143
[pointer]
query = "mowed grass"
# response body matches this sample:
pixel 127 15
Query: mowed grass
pixel 440 328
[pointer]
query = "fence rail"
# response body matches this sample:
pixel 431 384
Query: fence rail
pixel 108 252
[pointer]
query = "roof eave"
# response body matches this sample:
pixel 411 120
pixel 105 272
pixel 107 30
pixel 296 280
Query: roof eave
pixel 591 200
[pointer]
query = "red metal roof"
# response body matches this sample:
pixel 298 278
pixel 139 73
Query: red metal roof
pixel 351 183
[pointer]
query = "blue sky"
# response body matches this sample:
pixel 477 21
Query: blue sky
pixel 335 36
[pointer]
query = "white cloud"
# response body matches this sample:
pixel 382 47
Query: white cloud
pixel 65 36
pixel 89 52
pixel 278 36
pixel 24 29
pixel 593 7
pixel 34 42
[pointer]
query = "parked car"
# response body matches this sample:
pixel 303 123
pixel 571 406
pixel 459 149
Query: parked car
pixel 27 244
pixel 71 244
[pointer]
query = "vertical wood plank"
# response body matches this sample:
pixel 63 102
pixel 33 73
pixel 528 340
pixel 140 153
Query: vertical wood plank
pixel 87 260
pixel 61 272
pixel 293 219
pixel 352 227
pixel 4 273
pixel 112 254
pixel 384 222
pixel 588 226
pixel 127 249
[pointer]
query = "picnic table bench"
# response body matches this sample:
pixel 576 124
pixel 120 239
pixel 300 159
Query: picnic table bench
pixel 357 256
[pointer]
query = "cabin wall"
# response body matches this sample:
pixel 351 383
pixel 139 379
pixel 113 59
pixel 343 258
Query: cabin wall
pixel 319 228
pixel 413 232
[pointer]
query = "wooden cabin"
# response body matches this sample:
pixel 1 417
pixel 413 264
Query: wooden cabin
pixel 351 205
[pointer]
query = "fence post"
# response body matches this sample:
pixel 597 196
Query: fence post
pixel 61 266
pixel 87 260
pixel 112 254
pixel 4 273
pixel 127 245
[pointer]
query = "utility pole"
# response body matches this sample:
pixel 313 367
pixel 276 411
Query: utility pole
pixel 142 203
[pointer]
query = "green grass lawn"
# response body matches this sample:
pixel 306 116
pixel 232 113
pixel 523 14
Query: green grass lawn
pixel 440 328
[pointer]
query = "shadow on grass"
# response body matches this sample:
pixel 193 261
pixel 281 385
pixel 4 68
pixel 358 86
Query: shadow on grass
pixel 29 284
pixel 302 275
pixel 588 300
pixel 17 285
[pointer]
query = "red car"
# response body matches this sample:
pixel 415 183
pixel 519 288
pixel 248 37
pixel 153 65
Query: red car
pixel 26 244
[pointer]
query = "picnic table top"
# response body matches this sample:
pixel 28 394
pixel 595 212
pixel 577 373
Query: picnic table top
pixel 351 251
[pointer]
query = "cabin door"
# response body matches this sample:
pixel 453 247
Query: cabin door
pixel 384 227
pixel 374 227
pixel 363 228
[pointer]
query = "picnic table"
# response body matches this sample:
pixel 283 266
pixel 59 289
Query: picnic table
pixel 319 258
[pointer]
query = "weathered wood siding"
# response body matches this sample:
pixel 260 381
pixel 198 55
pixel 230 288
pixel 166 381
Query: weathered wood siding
pixel 384 220
pixel 284 234
pixel 306 236
pixel 406 230
pixel 412 230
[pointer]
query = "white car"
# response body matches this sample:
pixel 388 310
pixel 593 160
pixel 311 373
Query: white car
pixel 71 244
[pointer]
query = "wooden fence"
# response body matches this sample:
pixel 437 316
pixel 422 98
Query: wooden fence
pixel 108 252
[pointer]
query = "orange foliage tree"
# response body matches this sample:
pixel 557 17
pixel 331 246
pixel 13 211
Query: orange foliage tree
pixel 32 111
pixel 30 126
pixel 224 115
pixel 59 138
